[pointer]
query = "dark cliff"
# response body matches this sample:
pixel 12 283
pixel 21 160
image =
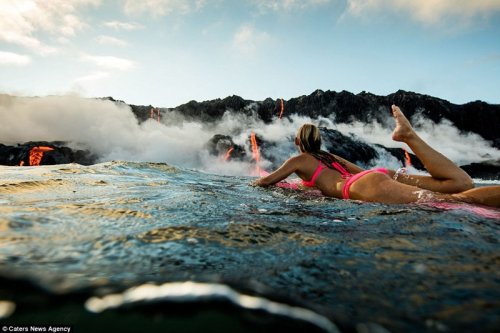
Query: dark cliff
pixel 344 107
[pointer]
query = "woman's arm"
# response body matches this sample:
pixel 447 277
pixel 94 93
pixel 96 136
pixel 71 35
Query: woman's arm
pixel 289 167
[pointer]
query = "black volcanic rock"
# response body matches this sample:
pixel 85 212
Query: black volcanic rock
pixel 15 155
pixel 399 154
pixel 347 147
pixel 213 110
pixel 219 145
pixel 142 112
pixel 489 170
pixel 343 107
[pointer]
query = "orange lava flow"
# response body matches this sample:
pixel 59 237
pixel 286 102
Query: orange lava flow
pixel 408 159
pixel 36 154
pixel 255 152
pixel 282 108
pixel 157 112
pixel 228 153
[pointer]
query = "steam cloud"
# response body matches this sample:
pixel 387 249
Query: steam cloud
pixel 112 132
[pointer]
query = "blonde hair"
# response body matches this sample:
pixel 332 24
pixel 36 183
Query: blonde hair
pixel 309 138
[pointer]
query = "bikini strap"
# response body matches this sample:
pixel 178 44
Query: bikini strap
pixel 343 172
pixel 316 173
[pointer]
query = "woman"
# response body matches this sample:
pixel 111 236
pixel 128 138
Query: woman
pixel 339 178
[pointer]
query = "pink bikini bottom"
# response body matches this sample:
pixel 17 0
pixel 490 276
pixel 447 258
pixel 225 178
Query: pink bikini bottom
pixel 353 178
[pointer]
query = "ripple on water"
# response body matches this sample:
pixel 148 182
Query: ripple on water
pixel 234 235
pixel 34 186
pixel 100 210
pixel 136 222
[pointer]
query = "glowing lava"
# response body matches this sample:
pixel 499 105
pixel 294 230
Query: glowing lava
pixel 228 153
pixel 36 154
pixel 407 159
pixel 282 107
pixel 155 113
pixel 255 152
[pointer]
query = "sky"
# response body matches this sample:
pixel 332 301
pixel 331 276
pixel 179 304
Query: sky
pixel 169 52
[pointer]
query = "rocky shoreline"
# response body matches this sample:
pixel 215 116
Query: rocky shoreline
pixel 343 107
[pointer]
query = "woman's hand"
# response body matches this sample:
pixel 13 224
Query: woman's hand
pixel 257 182
pixel 289 167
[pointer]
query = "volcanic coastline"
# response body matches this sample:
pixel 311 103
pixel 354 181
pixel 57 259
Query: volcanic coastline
pixel 343 107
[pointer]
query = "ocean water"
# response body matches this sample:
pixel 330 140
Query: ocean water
pixel 78 234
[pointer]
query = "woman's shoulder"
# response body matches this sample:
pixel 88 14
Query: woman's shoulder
pixel 305 160
pixel 299 159
pixel 302 157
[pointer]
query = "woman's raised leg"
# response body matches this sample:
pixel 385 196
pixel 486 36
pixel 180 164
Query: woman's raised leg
pixel 446 176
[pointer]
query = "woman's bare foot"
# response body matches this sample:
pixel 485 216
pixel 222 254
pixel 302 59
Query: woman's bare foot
pixel 403 130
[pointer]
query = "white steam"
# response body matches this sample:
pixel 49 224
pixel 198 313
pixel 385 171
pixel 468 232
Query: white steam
pixel 108 129
pixel 111 131
pixel 461 148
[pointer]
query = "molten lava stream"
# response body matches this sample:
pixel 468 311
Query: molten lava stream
pixel 255 152
pixel 36 155
pixel 282 108
pixel 407 158
pixel 228 153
